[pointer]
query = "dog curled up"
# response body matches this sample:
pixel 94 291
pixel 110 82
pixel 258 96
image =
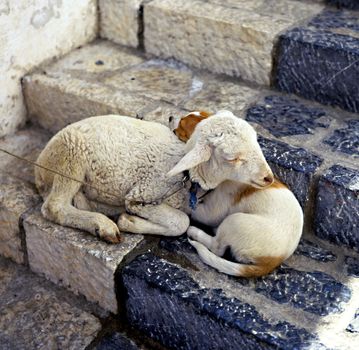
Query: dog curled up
pixel 261 223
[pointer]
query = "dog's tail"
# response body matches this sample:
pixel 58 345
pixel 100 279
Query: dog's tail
pixel 261 266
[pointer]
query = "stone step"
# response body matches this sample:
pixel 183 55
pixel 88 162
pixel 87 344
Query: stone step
pixel 320 60
pixel 306 48
pixel 309 302
pixel 351 4
pixel 232 37
pixel 35 314
pixel 301 140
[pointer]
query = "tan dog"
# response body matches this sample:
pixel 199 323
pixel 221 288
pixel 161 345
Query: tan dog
pixel 188 123
pixel 261 226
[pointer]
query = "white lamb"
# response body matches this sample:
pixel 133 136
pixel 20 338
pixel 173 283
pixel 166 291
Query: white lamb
pixel 137 167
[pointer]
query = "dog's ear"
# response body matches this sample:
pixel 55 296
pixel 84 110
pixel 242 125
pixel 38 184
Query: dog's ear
pixel 188 123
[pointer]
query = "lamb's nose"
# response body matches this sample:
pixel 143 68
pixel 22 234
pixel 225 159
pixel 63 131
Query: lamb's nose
pixel 268 179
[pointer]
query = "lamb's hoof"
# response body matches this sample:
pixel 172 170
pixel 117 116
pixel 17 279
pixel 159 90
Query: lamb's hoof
pixel 108 232
pixel 193 232
pixel 125 222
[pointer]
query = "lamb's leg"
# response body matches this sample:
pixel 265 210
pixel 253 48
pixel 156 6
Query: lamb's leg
pixel 210 242
pixel 154 219
pixel 58 208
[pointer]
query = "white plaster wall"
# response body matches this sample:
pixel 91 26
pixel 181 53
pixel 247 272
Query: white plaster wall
pixel 33 31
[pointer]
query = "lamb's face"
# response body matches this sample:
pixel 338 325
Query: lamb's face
pixel 224 147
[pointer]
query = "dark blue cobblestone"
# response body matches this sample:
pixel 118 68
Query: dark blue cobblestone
pixel 314 251
pixel 292 165
pixel 319 63
pixel 345 140
pixel 354 325
pixel 116 341
pixel 167 304
pixel 352 265
pixel 350 4
pixel 284 116
pixel 331 19
pixel 337 207
pixel 315 292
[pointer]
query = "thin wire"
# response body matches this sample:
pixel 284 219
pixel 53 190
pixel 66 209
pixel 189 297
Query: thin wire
pixel 183 181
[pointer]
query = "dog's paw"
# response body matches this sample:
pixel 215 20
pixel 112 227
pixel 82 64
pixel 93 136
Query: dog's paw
pixel 108 231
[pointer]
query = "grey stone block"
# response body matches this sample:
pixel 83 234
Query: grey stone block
pixel 231 37
pixel 26 143
pixel 120 21
pixel 100 79
pixel 35 314
pixel 16 197
pixel 75 259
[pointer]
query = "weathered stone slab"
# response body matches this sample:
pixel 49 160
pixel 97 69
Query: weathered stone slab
pixel 294 166
pixel 26 143
pixel 337 207
pixel 120 21
pixel 35 314
pixel 352 265
pixel 166 301
pixel 75 259
pixel 217 94
pixel 320 61
pixel 101 79
pixel 231 37
pixel 167 81
pixel 116 341
pixel 345 140
pixel 286 116
pixel 314 251
pixel 350 4
pixel 16 197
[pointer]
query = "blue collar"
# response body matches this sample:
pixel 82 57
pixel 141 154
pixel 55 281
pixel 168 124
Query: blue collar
pixel 193 199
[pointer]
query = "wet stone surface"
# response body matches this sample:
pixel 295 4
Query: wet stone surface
pixel 34 314
pixel 294 166
pixel 314 251
pixel 337 207
pixel 284 116
pixel 153 284
pixel 354 325
pixel 321 60
pixel 116 341
pixel 352 265
pixel 315 292
pixel 350 4
pixel 345 140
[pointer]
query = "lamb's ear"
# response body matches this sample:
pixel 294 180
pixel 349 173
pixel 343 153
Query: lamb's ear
pixel 198 154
